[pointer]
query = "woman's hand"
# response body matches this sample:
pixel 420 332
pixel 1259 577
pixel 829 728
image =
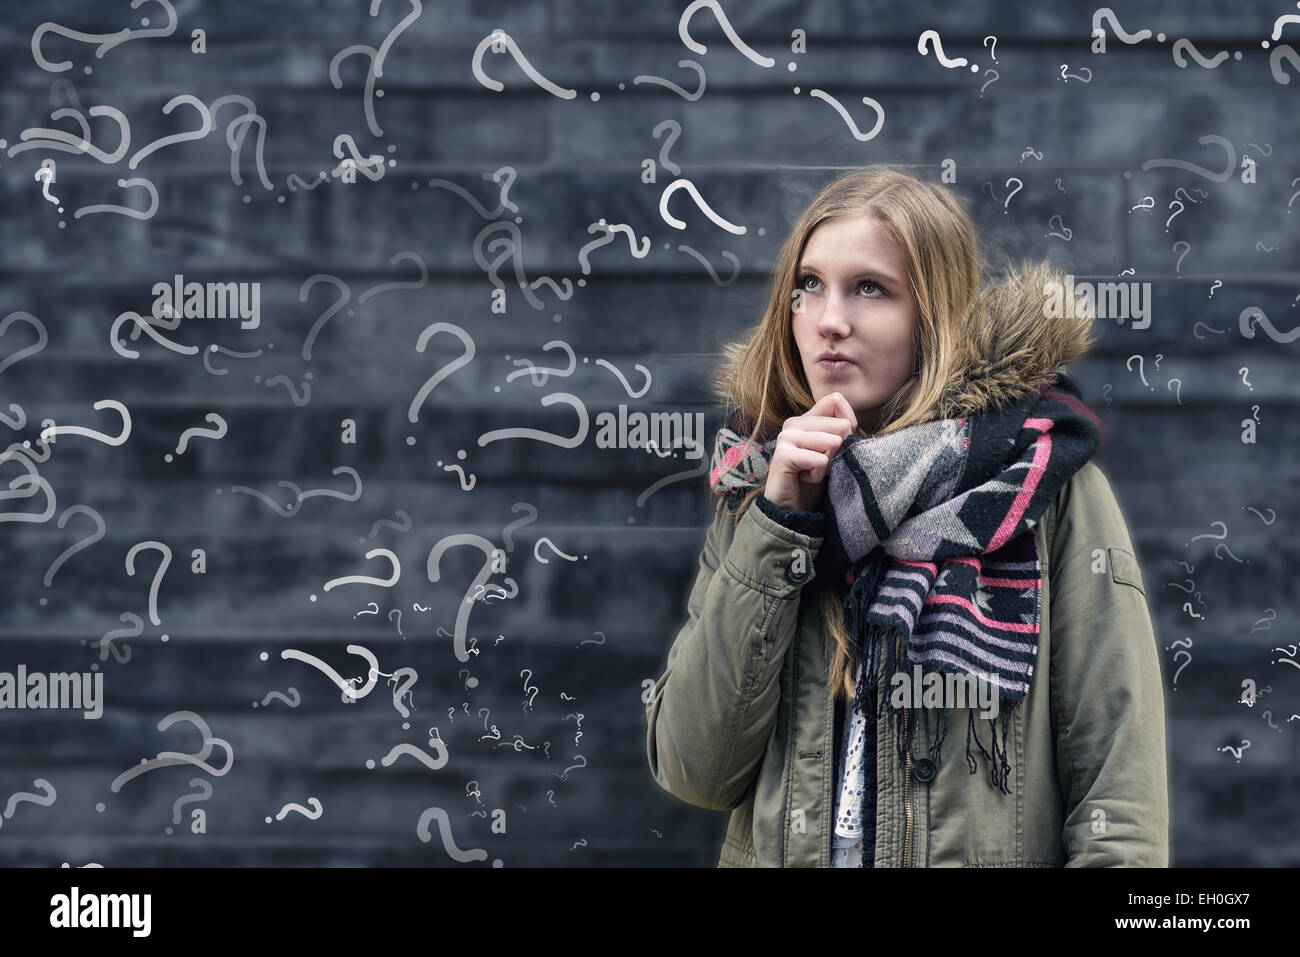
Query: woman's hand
pixel 804 450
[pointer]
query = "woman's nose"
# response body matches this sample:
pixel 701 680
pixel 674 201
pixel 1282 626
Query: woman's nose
pixel 834 318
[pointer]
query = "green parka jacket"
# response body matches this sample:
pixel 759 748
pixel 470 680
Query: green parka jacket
pixel 741 719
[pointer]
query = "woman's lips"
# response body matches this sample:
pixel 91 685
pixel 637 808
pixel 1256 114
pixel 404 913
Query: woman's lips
pixel 835 366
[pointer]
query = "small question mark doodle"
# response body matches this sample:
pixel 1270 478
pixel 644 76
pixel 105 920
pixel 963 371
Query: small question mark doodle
pixel 1187 607
pixel 205 792
pixel 1267 621
pixel 1129 365
pixel 1217 284
pixel 1020 185
pixel 1236 751
pixel 593 641
pixel 312 813
pixel 1105 393
pixel 26 797
pixel 1268 716
pixel 1243 372
pixel 292 700
pixel 1222 535
pixel 1289 660
pixel 578 844
pixel 217 432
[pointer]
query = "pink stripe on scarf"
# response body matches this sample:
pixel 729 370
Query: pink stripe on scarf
pixel 1026 627
pixel 1011 582
pixel 1042 452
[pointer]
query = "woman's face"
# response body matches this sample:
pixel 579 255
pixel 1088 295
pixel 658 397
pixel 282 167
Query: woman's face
pixel 854 321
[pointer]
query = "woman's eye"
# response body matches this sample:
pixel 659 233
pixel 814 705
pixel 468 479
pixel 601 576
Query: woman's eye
pixel 877 290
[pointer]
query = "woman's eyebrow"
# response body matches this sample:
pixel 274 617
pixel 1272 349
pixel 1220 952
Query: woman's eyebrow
pixel 863 274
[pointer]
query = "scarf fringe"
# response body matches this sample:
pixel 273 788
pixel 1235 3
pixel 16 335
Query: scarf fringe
pixel 877 639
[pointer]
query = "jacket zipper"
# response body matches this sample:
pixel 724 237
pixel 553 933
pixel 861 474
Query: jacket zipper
pixel 907 795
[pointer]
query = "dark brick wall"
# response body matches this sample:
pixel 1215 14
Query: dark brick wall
pixel 757 152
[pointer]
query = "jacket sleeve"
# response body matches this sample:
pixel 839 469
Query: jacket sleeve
pixel 713 709
pixel 1107 696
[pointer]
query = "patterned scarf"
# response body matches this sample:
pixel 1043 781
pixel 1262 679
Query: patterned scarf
pixel 931 526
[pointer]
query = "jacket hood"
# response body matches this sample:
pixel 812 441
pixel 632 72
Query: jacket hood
pixel 1008 346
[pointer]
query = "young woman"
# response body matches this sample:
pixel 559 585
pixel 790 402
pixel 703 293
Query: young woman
pixel 911 540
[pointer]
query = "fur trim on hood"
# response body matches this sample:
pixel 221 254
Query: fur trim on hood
pixel 1009 345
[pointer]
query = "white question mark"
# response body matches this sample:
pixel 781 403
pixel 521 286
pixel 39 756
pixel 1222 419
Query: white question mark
pixel 217 432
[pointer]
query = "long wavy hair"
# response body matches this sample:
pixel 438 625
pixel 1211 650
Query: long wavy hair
pixel 762 376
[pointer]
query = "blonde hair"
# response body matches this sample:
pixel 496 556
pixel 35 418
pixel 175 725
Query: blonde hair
pixel 762 376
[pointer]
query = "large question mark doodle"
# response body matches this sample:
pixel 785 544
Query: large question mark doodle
pixel 78 546
pixel 158 575
pixel 42 338
pixel 402 679
pixel 413 412
pixel 448 842
pixel 669 84
pixel 420 283
pixel 106 41
pixel 332 310
pixel 350 691
pixel 204 792
pixel 484 573
pixel 506 533
pixel 45 176
pixel 683 31
pixel 848 120
pixel 432 763
pixel 555 551
pixel 1253 315
pixel 497 39
pixel 537 435
pixel 170 758
pixel 45 799
pixel 310 813
pixel 367 579
pixel 565 776
pixel 932 36
pixel 1201 170
pixel 686 184
pixel 217 432
pixel 53 431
